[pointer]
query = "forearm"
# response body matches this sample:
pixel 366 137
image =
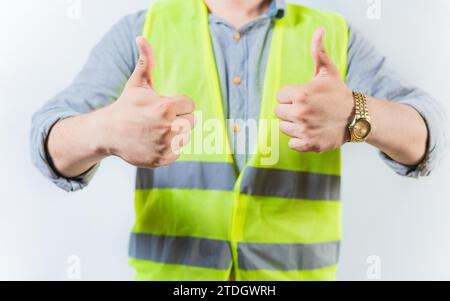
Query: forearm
pixel 74 144
pixel 398 130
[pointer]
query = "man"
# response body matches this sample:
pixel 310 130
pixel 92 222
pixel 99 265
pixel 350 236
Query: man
pixel 225 213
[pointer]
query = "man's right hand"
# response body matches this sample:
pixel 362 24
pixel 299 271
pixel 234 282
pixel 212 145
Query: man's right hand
pixel 141 125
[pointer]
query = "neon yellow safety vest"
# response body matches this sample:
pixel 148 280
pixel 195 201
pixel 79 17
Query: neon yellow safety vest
pixel 198 219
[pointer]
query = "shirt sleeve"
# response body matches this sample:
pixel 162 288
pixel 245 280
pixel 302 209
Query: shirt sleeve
pixel 99 83
pixel 369 73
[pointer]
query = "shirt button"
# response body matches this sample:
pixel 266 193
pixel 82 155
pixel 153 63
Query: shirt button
pixel 237 36
pixel 237 80
pixel 236 128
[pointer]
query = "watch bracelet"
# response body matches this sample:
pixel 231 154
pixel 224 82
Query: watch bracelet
pixel 361 110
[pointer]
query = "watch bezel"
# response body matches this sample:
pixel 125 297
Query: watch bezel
pixel 351 128
pixel 369 128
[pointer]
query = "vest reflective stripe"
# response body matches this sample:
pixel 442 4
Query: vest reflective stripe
pixel 191 251
pixel 280 217
pixel 285 257
pixel 290 184
pixel 188 175
pixel 256 181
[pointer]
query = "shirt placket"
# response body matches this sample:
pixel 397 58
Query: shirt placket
pixel 238 90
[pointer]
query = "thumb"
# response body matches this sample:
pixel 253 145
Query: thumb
pixel 142 75
pixel 323 63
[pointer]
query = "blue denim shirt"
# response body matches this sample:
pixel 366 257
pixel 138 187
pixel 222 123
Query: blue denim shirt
pixel 112 61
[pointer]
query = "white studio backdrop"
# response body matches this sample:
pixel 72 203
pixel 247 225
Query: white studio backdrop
pixel 399 226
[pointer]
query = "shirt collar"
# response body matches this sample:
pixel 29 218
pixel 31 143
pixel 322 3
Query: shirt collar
pixel 277 9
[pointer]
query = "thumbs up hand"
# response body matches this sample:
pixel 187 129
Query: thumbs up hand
pixel 143 125
pixel 316 115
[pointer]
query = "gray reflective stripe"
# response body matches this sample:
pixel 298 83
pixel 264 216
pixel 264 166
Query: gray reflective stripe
pixel 188 175
pixel 291 184
pixel 284 257
pixel 192 251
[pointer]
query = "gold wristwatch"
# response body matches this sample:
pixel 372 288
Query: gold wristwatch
pixel 360 127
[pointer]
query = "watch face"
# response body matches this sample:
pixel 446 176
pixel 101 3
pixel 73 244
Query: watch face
pixel 362 129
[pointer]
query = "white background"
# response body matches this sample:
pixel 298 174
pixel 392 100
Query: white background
pixel 404 222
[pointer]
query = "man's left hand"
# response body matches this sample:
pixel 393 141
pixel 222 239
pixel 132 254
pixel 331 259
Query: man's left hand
pixel 317 114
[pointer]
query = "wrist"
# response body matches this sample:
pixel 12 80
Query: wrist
pixel 360 128
pixel 372 104
pixel 73 146
pixel 349 113
pixel 100 126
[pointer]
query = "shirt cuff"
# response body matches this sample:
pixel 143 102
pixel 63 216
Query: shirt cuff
pixel 436 145
pixel 42 161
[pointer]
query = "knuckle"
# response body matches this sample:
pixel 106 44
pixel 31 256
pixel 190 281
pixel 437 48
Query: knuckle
pixel 278 96
pixel 281 93
pixel 316 147
pixel 307 126
pixel 307 139
pixel 162 162
pixel 165 108
pixel 141 63
pixel 191 120
pixel 309 145
pixel 284 126
pixel 308 148
pixel 164 129
pixel 168 158
pixel 156 163
pixel 303 129
pixel 302 113
pixel 151 161
pixel 187 101
pixel 300 96
pixel 192 104
pixel 162 144
pixel 278 111
pixel 160 149
pixel 163 159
